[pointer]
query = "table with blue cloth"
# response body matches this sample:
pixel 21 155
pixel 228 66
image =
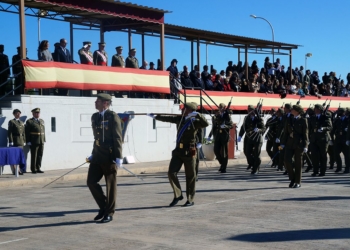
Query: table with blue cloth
pixel 12 156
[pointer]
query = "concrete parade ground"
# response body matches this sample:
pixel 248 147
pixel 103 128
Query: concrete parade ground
pixel 232 211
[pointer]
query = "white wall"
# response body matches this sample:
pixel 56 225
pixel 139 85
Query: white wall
pixel 73 139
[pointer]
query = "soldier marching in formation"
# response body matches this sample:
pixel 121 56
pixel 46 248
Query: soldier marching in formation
pixel 185 152
pixel 222 124
pixel 253 127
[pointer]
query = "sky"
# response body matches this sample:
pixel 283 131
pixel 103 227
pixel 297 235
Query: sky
pixel 319 27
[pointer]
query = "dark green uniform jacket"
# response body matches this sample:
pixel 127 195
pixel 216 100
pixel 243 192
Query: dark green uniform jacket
pixel 15 133
pixel 35 131
pixel 108 137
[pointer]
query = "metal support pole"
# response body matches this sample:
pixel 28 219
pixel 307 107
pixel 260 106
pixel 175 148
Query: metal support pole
pixel 206 53
pixel 198 54
pixel 22 27
pixel 71 40
pixel 129 39
pixel 162 50
pixel 143 47
pixel 290 64
pixel 239 54
pixel 102 34
pixel 192 50
pixel 246 62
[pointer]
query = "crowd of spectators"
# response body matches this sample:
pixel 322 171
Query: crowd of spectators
pixel 272 78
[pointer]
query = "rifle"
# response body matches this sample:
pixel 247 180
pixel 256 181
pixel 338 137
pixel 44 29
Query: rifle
pixel 325 102
pixel 298 102
pixel 282 105
pixel 259 107
pixel 327 107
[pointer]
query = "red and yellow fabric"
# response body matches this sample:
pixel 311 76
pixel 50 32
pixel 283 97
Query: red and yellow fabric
pixel 240 100
pixel 46 75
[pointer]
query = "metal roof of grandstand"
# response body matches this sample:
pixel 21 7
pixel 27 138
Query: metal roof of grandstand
pixel 97 9
pixel 217 38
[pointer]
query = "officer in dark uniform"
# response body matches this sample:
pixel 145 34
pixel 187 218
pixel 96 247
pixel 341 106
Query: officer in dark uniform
pixel 280 134
pixel 320 126
pixel 85 54
pixel 35 137
pixel 185 151
pixel 4 63
pixel 222 124
pixel 131 61
pixel 253 127
pixel 118 59
pixel 271 133
pixel 307 156
pixel 17 69
pixel 16 135
pixel 338 136
pixel 106 156
pixel 100 56
pixel 275 128
pixel 294 142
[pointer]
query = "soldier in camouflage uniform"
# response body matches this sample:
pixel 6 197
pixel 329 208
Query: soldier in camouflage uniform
pixel 35 137
pixel 106 156
pixel 185 151
pixel 253 127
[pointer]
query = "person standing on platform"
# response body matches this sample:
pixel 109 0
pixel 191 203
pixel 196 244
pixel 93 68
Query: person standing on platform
pixel 185 151
pixel 17 69
pixel 131 61
pixel 100 56
pixel 106 156
pixel 16 135
pixel 43 51
pixel 85 54
pixel 62 54
pixel 320 126
pixel 295 142
pixel 4 65
pixel 118 59
pixel 222 124
pixel 253 126
pixel 35 138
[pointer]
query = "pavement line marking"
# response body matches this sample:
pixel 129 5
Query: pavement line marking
pixel 5 242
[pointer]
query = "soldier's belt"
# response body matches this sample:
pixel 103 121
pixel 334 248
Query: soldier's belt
pixel 33 133
pixel 185 145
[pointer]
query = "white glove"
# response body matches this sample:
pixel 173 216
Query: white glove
pixel 347 143
pixel 10 144
pixel 151 115
pixel 305 150
pixel 119 162
pixel 89 158
pixel 346 129
pixel 330 143
pixel 239 139
pixel 198 145
pixel 277 140
pixel 193 114
pixel 307 116
pixel 320 130
pixel 29 143
pixel 256 130
pixel 223 126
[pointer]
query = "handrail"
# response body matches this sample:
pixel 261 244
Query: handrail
pixel 2 97
pixel 10 66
